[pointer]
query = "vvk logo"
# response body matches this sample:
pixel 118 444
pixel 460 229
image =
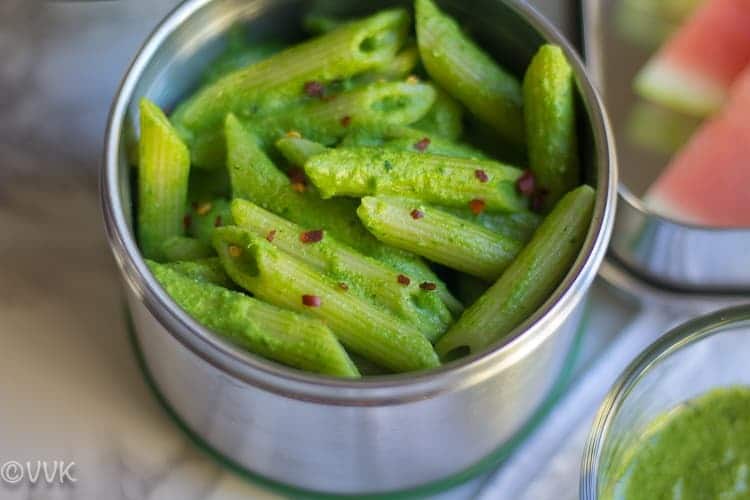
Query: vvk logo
pixel 38 471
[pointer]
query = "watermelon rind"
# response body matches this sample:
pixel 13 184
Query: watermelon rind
pixel 679 89
pixel 657 129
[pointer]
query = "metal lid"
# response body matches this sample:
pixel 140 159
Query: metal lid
pixel 666 253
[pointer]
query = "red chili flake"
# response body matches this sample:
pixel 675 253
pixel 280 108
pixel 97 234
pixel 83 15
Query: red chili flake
pixel 537 201
pixel 311 300
pixel 416 214
pixel 481 175
pixel 343 286
pixel 315 89
pixel 428 286
pixel 346 121
pixel 297 179
pixel 271 235
pixel 311 236
pixel 296 175
pixel 526 184
pixel 187 221
pixel 217 221
pixel 403 280
pixel 422 144
pixel 477 206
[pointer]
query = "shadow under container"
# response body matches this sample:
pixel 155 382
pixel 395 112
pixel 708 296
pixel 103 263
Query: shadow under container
pixel 382 434
pixel 706 353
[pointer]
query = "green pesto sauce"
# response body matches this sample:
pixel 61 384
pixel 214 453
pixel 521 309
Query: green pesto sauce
pixel 701 450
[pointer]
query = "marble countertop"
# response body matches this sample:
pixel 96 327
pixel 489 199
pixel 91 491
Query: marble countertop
pixel 71 387
pixel 71 383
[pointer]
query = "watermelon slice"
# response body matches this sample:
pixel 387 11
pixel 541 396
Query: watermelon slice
pixel 708 181
pixel 694 70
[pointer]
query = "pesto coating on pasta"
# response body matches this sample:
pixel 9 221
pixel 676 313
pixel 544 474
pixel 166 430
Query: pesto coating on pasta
pixel 318 203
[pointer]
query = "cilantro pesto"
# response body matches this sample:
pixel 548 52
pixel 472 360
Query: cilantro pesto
pixel 701 450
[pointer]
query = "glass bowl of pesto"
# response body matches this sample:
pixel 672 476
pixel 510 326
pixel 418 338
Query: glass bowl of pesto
pixel 677 422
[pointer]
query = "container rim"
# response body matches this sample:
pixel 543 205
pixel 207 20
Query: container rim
pixel 391 389
pixel 684 335
pixel 627 196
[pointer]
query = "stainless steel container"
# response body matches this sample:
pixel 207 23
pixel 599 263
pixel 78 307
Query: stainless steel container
pixel 679 258
pixel 315 433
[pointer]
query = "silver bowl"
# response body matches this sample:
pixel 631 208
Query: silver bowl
pixel 381 434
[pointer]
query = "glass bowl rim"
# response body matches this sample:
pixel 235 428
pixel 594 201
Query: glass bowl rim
pixel 679 337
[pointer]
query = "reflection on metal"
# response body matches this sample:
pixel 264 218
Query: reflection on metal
pixel 666 252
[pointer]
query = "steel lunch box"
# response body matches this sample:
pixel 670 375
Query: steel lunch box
pixel 382 434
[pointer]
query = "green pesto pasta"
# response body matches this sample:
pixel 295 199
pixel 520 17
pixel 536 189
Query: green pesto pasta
pixel 529 280
pixel 292 339
pixel 323 203
pixel 551 123
pixel 206 270
pixel 280 279
pixel 438 236
pixel 343 52
pixel 179 248
pixel 328 120
pixel 441 180
pixel 468 73
pixel 163 170
pixel 256 178
pixel 444 119
pixel 357 273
